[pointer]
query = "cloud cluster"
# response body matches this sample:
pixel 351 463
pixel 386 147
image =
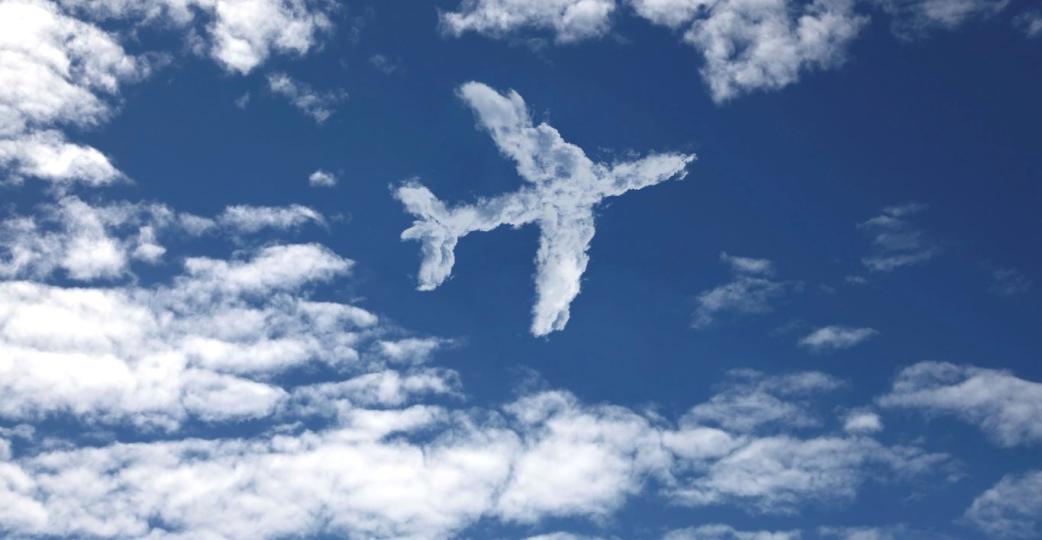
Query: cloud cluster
pixel 59 71
pixel 752 290
pixel 86 242
pixel 56 72
pixel 370 444
pixel 563 186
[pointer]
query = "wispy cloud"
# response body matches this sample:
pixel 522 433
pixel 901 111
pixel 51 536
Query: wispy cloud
pixel 752 290
pixel 318 105
pixel 896 241
pixel 1029 22
pixel 1007 408
pixel 1011 508
pixel 832 338
pixel 562 188
pixel 1009 282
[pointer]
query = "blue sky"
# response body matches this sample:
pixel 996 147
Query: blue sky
pixel 733 269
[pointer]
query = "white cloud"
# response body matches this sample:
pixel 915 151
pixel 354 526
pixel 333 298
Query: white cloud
pixel 718 531
pixel 201 347
pixel 776 474
pixel 896 241
pixel 862 421
pixel 564 187
pixel 321 178
pixel 1007 408
pixel 252 219
pixel 239 34
pixel 1011 508
pixel 751 291
pixel 100 241
pixel 751 45
pixel 750 400
pixel 56 71
pixel 831 338
pixel 568 20
pixel 318 105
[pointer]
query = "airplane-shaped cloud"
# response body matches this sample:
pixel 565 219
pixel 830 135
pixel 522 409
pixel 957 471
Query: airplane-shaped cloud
pixel 564 187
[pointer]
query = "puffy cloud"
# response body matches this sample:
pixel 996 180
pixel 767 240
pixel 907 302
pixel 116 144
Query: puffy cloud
pixel 1011 508
pixel 321 178
pixel 568 20
pixel 577 460
pixel 751 291
pixel 99 241
pixel 201 347
pixel 718 531
pixel 862 421
pixel 59 71
pixel 564 186
pixel 1007 408
pixel 750 45
pixel 896 241
pixel 56 71
pixel 318 105
pixel 831 338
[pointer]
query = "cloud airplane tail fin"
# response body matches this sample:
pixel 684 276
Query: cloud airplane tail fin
pixel 433 228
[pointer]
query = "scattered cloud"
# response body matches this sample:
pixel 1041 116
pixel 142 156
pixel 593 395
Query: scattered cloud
pixel 384 63
pixel 833 338
pixel 1009 282
pixel 915 18
pixel 719 531
pixel 251 219
pixel 1007 408
pixel 567 20
pixel 563 188
pixel 88 242
pixel 318 105
pixel 1009 509
pixel 896 241
pixel 889 532
pixel 1029 22
pixel 751 291
pixel 321 178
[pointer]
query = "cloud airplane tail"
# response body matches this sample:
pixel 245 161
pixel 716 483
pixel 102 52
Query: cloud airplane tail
pixel 433 229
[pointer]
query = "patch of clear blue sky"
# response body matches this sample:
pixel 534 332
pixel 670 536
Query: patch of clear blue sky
pixel 953 121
